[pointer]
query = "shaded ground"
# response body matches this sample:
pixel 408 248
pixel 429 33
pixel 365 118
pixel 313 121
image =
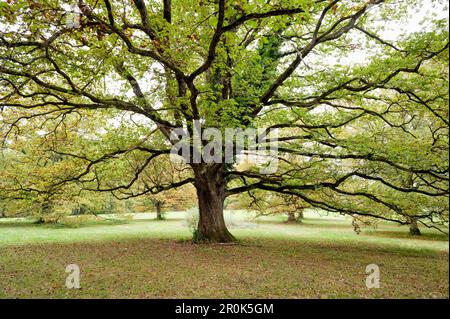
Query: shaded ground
pixel 317 259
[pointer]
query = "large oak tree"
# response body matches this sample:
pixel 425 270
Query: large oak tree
pixel 368 139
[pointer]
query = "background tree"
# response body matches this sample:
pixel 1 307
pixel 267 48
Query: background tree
pixel 178 199
pixel 271 203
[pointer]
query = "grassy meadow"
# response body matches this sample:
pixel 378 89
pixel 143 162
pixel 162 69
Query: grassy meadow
pixel 139 257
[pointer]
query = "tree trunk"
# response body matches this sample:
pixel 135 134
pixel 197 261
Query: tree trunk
pixel 158 210
pixel 300 216
pixel 413 228
pixel 46 209
pixel 291 218
pixel 210 186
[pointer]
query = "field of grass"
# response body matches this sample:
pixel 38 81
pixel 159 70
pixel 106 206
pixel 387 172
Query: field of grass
pixel 144 258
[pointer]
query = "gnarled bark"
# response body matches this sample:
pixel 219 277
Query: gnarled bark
pixel 210 186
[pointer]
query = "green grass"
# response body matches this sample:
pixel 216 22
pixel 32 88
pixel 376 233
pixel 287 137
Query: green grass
pixel 145 258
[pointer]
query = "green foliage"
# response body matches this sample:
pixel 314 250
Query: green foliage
pixel 362 119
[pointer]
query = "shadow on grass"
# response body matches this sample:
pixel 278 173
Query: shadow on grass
pixel 23 223
pixel 87 223
pixel 308 222
pixel 381 230
pixel 90 223
pixel 405 235
pixel 93 223
pixel 158 220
